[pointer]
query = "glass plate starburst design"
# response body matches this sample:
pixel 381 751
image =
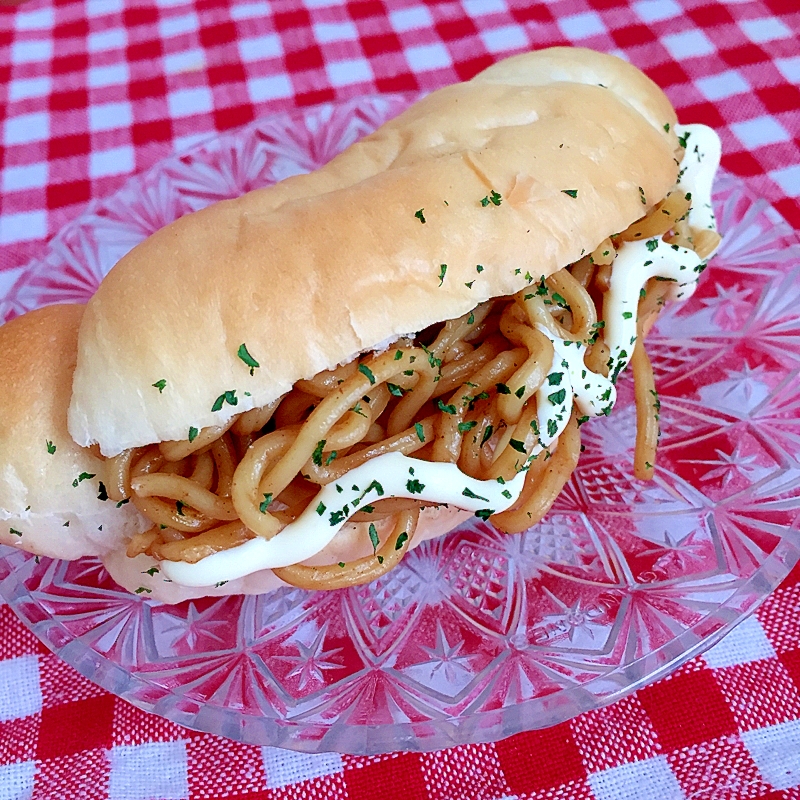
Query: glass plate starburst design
pixel 477 635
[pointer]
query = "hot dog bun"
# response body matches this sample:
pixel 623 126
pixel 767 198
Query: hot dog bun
pixel 313 271
pixel 47 504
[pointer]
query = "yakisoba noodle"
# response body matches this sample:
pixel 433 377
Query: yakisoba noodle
pixel 469 392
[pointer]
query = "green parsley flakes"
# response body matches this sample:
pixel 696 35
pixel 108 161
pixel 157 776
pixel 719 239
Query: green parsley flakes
pixel 447 409
pixel 517 445
pixel 484 513
pixel 414 486
pixel 651 244
pixel 193 434
pixel 373 537
pixel 401 540
pixel 264 504
pixel 51 448
pixel 479 268
pixel 316 456
pixel 571 192
pixel 442 273
pixel 228 397
pixel 366 371
pixel 247 358
pixel 420 215
pixel 15 532
pixel 469 493
pixel 159 385
pixel 463 427
pixel 84 476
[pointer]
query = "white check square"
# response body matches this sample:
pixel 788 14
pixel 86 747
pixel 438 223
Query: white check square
pixel 764 30
pixel 185 102
pixel 346 73
pixel 29 52
pixel 109 116
pixel 688 44
pixel 326 32
pixel 657 10
pixel 25 88
pixel 745 643
pixel 16 780
pixel 39 20
pixel 175 26
pixel 26 128
pixel 776 751
pixel 249 10
pixel 760 132
pixel 145 771
pixel 410 19
pixel 116 161
pixel 108 75
pixel 427 57
pixel 582 26
pixel 20 693
pixel 27 176
pixel 788 179
pixel 283 767
pixel 725 84
pixel 626 781
pixel 112 39
pixel 27 226
pixel 500 40
pixel 481 8
pixel 268 46
pixel 269 87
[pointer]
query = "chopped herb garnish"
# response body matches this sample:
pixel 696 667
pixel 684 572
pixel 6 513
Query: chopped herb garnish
pixel 193 433
pixel 142 589
pixel 468 284
pixel 469 493
pixel 560 300
pixel 265 503
pixel 479 268
pixel 506 493
pixel 247 358
pixel 152 571
pixel 447 409
pixel 321 509
pixel 14 532
pixel 571 192
pixel 401 540
pixel 420 216
pixel 463 427
pixel 373 537
pixel 652 244
pixel 552 427
pixel 51 448
pixel 487 434
pixel 341 564
pixel 414 486
pixel 123 502
pixel 484 513
pixel 398 354
pixel 471 319
pixel 84 476
pixel 683 139
pixel 520 392
pixel 316 456
pixel 442 273
pixel 582 420
pixel 627 314
pixel 160 385
pixel 642 197
pixel 356 409
pixel 554 378
pixel 331 457
pixel 365 370
pixel 228 397
pixel 666 127
pixel 557 398
pixel 418 427
pixel 517 445
pixel 179 506
pixel 502 388
pixel 102 494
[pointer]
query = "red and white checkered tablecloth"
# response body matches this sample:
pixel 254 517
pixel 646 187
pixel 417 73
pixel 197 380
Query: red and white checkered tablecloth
pixel 92 91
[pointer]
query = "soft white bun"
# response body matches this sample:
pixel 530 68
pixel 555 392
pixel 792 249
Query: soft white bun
pixel 321 267
pixel 350 543
pixel 37 495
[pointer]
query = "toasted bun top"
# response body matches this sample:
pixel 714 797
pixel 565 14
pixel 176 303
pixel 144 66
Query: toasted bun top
pixel 39 462
pixel 318 268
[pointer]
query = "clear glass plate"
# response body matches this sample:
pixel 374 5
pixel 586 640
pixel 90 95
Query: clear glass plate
pixel 478 635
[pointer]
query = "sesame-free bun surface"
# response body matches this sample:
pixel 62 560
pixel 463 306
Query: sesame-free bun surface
pixel 318 268
pixel 37 496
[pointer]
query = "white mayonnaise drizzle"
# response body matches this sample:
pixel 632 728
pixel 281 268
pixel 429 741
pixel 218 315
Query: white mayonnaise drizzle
pixel 389 475
pixel 397 475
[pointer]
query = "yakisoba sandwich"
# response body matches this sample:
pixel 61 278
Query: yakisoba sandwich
pixel 298 385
